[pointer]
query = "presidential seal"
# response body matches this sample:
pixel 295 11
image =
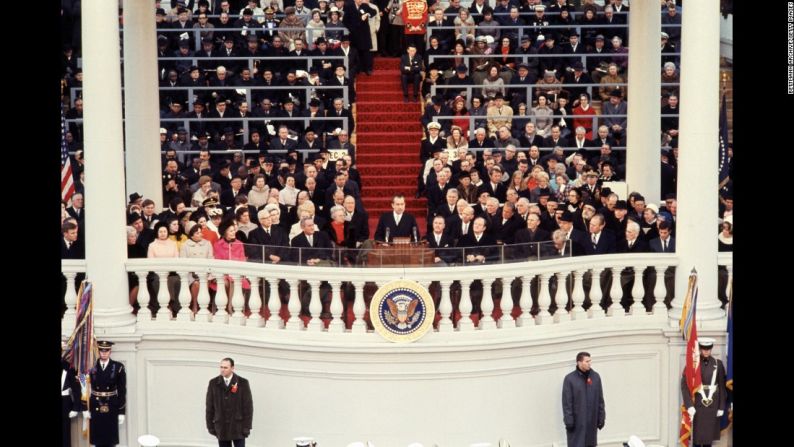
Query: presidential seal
pixel 402 311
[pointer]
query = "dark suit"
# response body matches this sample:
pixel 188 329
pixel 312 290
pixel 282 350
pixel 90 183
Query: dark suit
pixel 656 245
pixel 445 249
pixel 272 242
pixel 500 192
pixel 229 409
pixel 70 400
pixel 506 231
pixel 486 246
pixel 404 229
pixel 606 244
pixel 360 224
pixel 104 427
pixel 320 248
pixel 527 243
pixel 75 250
pixel 639 246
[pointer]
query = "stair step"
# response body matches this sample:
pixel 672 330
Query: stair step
pixel 383 106
pixel 367 171
pixel 363 117
pixel 387 126
pixel 378 82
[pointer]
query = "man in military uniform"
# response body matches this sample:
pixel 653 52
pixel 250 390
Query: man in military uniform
pixel 70 398
pixel 108 399
pixel 707 406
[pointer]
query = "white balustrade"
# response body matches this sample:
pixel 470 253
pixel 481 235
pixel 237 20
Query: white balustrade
pixel 294 306
pixel 445 308
pixel 274 305
pixel 143 296
pixel 638 291
pixel 359 308
pixel 163 297
pixel 255 304
pixel 596 294
pixel 659 290
pixel 238 301
pixel 615 294
pixel 221 301
pixel 486 305
pixel 184 314
pixel 315 308
pixel 465 323
pixel 525 302
pixel 506 304
pixel 544 300
pixel 337 323
pixel 70 298
pixel 561 300
pixel 578 312
pixel 203 299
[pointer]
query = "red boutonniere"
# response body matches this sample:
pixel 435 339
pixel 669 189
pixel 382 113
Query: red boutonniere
pixel 589 381
pixel 234 388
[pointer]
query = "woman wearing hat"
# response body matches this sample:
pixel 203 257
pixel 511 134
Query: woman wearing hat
pixel 315 28
pixel 288 35
pixel 162 247
pixel 229 248
pixel 195 247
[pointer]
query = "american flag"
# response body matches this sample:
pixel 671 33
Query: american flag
pixel 67 181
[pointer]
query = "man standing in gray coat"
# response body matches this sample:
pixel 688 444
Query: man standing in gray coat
pixel 230 408
pixel 583 404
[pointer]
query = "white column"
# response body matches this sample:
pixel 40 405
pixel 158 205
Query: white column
pixel 696 243
pixel 643 172
pixel 141 102
pixel 105 245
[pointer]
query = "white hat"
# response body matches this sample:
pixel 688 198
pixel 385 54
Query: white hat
pixel 433 125
pixel 705 342
pixel 303 441
pixel 653 207
pixel 148 440
pixel 634 441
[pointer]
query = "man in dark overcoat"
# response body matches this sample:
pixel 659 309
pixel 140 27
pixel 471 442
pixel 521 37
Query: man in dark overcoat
pixel 356 19
pixel 108 401
pixel 230 407
pixel 583 404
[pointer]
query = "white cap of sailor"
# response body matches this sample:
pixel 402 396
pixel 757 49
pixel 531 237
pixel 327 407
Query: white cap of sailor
pixel 706 343
pixel 148 441
pixel 304 441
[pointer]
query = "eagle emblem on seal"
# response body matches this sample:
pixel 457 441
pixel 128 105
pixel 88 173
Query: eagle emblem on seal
pixel 402 311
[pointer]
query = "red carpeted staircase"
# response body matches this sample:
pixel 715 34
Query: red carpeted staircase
pixel 388 137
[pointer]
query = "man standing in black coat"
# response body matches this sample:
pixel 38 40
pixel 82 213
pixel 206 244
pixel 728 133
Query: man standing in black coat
pixel 108 400
pixel 398 223
pixel 230 407
pixel 583 404
pixel 70 398
pixel 356 19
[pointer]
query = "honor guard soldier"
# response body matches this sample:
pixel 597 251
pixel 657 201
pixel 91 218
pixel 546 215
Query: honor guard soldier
pixel 70 398
pixel 708 405
pixel 108 399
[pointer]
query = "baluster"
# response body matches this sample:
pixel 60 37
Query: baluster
pixel 144 313
pixel 70 298
pixel 445 308
pixel 506 305
pixel 615 294
pixel 163 297
pixel 465 323
pixel 203 299
pixel 544 300
pixel 294 306
pixel 525 302
pixel 274 305
pixel 638 292
pixel 596 311
pixel 238 301
pixel 184 314
pixel 659 291
pixel 578 312
pixel 729 285
pixel 359 309
pixel 487 321
pixel 337 324
pixel 315 308
pixel 561 299
pixel 255 304
pixel 221 300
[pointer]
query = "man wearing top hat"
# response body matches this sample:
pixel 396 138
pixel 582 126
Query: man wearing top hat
pixel 229 407
pixel 108 400
pixel 708 404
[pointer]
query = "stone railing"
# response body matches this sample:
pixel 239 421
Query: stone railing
pixel 636 280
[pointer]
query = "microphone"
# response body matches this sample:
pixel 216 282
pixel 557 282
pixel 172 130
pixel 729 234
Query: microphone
pixel 387 235
pixel 416 237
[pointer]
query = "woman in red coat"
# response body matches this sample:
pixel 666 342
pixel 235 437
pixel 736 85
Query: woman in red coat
pixel 584 114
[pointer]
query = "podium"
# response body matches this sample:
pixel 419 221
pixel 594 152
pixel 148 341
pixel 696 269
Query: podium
pixel 400 253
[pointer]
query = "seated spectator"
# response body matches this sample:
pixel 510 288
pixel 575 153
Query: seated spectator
pixel 493 84
pixel 610 82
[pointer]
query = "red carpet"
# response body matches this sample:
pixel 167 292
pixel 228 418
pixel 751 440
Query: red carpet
pixel 388 137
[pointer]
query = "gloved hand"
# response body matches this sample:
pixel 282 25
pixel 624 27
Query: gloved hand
pixel 720 413
pixel 87 415
pixel 691 411
pixel 72 414
pixel 121 419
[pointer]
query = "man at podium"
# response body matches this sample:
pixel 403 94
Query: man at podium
pixel 398 223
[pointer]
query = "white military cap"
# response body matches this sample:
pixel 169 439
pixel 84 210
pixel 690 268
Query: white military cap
pixel 148 441
pixel 705 342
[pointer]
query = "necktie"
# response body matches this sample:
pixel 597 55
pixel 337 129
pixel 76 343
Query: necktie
pixel 310 239
pixel 104 365
pixel 438 240
pixel 68 244
pixel 267 230
pixel 465 228
pixel 595 240
pixel 631 244
pixel 664 246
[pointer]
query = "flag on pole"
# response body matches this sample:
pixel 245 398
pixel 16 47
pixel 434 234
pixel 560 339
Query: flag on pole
pixel 82 352
pixel 723 146
pixel 688 325
pixel 67 180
